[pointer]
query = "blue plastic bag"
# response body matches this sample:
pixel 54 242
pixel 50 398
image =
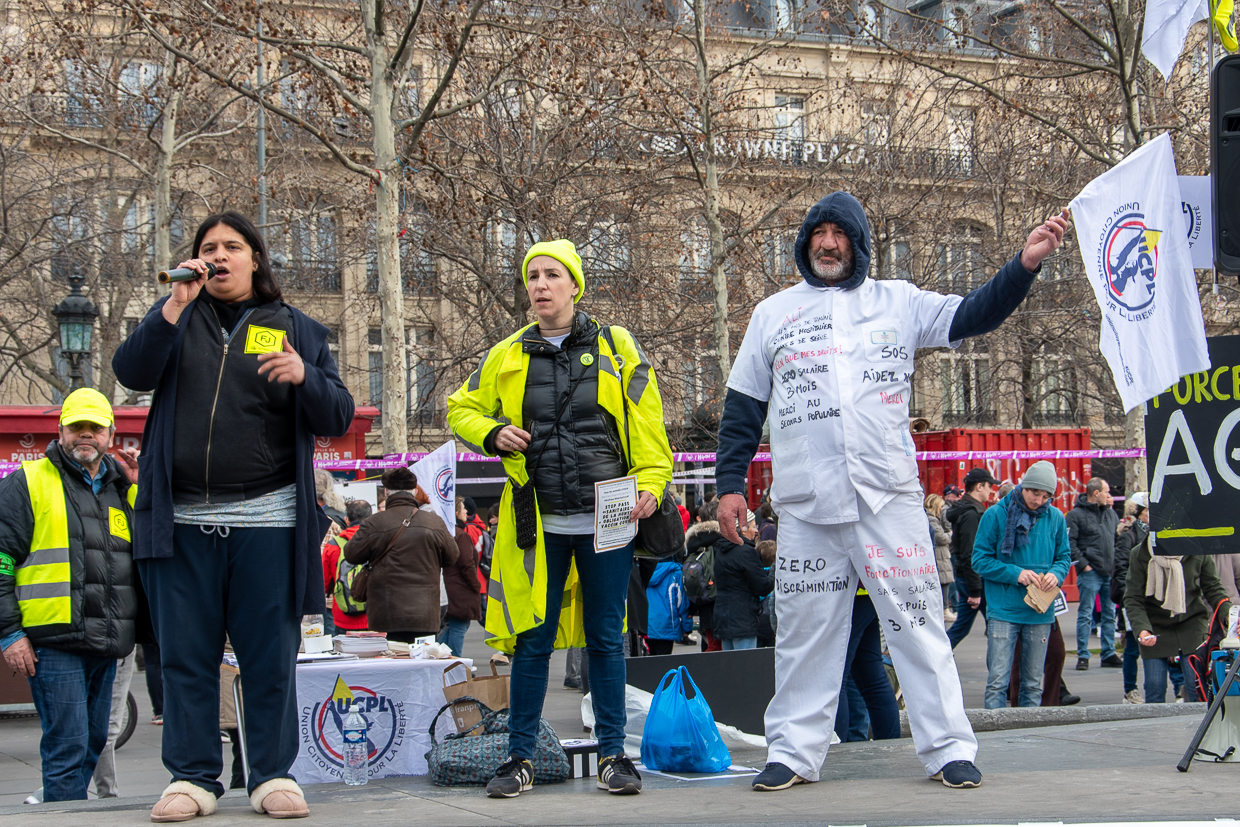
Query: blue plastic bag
pixel 680 733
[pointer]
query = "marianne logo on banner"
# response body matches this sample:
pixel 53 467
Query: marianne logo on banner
pixel 1130 226
pixel 436 473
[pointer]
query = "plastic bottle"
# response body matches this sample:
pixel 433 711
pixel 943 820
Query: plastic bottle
pixel 356 758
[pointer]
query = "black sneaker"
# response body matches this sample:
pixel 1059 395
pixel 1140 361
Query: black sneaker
pixel 776 776
pixel 1113 662
pixel 514 776
pixel 1069 699
pixel 958 774
pixel 1082 664
pixel 617 775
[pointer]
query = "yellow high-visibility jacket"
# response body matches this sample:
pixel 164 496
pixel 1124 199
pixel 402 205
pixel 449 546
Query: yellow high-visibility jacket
pixel 491 397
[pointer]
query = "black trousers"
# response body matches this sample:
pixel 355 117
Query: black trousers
pixel 237 581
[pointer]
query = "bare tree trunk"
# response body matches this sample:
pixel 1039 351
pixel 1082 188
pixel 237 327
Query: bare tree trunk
pixel 718 268
pixel 387 196
pixel 163 170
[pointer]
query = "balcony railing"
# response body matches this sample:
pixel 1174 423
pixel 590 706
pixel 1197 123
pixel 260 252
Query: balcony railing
pixel 311 276
pixel 962 418
pixel 1056 419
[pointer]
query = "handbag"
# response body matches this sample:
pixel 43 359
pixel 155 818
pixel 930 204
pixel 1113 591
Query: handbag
pixel 361 580
pixel 470 760
pixel 662 534
pixel 524 499
pixel 680 733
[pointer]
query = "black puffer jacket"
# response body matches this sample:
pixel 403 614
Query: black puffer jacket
pixel 1091 534
pixel 964 515
pixel 104 592
pixel 1129 539
pixel 701 536
pixel 585 447
pixel 740 583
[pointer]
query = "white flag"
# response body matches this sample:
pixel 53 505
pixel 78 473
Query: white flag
pixel 1130 229
pixel 1198 213
pixel 1166 25
pixel 436 473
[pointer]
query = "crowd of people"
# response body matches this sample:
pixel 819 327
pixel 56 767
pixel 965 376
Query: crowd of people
pixel 198 547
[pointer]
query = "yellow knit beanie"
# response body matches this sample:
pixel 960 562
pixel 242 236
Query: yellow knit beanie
pixel 563 251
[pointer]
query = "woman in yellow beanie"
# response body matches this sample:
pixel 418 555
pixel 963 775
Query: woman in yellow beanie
pixel 566 403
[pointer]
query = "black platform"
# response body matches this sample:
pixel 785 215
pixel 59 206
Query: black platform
pixel 738 685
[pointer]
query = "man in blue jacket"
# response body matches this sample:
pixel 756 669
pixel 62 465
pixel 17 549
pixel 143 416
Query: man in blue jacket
pixel 1022 541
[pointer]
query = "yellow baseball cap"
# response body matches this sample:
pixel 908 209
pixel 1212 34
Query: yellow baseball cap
pixel 563 251
pixel 86 405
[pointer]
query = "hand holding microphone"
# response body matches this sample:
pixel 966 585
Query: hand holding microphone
pixel 186 281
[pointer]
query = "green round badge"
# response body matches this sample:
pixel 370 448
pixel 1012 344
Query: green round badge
pixel 587 359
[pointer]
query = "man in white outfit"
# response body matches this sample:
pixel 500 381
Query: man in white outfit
pixel 833 359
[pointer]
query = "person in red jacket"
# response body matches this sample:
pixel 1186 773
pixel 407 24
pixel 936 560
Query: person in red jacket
pixel 355 511
pixel 462 584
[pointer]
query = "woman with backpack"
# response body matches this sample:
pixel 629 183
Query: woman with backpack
pixel 565 403
pixel 741 581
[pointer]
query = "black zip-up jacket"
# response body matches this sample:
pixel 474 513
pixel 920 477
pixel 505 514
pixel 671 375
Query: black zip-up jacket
pixel 224 400
pixel 585 447
pixel 964 515
pixel 104 592
pixel 1091 534
pixel 1124 544
pixel 741 582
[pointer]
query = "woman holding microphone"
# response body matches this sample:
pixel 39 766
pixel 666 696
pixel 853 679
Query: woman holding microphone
pixel 566 403
pixel 226 525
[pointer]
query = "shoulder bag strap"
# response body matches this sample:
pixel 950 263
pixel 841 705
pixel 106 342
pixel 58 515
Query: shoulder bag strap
pixel 404 524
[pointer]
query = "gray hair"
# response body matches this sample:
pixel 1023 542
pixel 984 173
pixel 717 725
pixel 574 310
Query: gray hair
pixel 325 489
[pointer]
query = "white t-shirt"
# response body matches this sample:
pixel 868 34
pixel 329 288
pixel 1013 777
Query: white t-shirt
pixel 836 367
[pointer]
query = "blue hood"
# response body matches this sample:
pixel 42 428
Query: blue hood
pixel 663 572
pixel 844 210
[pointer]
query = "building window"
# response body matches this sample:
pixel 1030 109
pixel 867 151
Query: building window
pixel 138 86
pixel 1054 390
pixel 701 385
pixel 421 366
pixel 308 253
pixel 876 123
pixel 958 34
pixel 869 22
pixel 960 264
pixel 960 140
pixel 897 253
pixel 694 269
pixel 790 118
pixel 374 358
pixel 418 276
pixel 967 390
pixel 780 255
pixel 607 256
pixel 783 15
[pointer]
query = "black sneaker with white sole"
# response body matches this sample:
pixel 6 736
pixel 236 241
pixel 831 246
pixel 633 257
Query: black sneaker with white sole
pixel 775 777
pixel 617 775
pixel 514 776
pixel 958 774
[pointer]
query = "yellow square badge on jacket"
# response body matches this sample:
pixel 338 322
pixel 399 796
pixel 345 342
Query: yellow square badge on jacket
pixel 118 526
pixel 263 340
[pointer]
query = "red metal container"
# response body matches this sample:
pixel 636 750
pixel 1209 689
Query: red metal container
pixel 938 474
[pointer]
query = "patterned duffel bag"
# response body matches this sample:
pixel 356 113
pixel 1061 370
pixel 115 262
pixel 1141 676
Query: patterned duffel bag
pixel 464 760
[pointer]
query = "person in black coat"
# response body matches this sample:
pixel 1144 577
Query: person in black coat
pixel 741 581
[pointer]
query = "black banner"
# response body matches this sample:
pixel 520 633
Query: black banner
pixel 1192 434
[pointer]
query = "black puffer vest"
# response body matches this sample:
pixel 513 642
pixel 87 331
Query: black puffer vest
pixel 585 448
pixel 233 435
pixel 103 589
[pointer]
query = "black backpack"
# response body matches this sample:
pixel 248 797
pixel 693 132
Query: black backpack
pixel 698 572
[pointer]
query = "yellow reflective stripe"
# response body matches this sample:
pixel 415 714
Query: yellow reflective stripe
pixel 46 611
pixel 54 573
pixel 132 495
pixel 43 582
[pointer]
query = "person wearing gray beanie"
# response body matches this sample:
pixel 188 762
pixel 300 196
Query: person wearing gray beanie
pixel 1041 476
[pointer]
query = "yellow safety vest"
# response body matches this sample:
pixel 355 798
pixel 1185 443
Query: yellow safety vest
pixel 43 580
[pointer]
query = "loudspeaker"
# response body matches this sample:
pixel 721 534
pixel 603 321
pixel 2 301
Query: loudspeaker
pixel 1225 163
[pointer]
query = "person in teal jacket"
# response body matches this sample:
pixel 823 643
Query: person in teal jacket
pixel 1021 541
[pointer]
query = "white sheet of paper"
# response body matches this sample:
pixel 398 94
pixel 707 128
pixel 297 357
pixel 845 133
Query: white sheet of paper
pixel 614 501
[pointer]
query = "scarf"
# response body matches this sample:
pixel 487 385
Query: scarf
pixel 1019 522
pixel 1165 582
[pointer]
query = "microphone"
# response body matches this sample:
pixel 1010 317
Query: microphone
pixel 183 274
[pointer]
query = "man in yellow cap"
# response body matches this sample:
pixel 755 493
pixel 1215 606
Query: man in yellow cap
pixel 68 587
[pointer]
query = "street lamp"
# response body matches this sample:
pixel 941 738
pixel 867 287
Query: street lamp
pixel 75 316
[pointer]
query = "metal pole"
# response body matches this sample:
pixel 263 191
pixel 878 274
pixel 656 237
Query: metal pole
pixel 262 141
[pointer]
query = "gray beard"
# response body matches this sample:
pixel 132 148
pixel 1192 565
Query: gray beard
pixel 83 454
pixel 834 271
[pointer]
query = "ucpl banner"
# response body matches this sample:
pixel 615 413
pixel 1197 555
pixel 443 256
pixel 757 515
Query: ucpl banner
pixel 1193 432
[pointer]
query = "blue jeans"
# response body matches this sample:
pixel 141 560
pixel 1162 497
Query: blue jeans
pixel 454 635
pixel 1088 584
pixel 1157 670
pixel 868 702
pixel 604 587
pixel 965 614
pixel 1001 638
pixel 730 644
pixel 73 696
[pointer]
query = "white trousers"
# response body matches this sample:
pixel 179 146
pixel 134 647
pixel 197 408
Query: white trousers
pixel 817 573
